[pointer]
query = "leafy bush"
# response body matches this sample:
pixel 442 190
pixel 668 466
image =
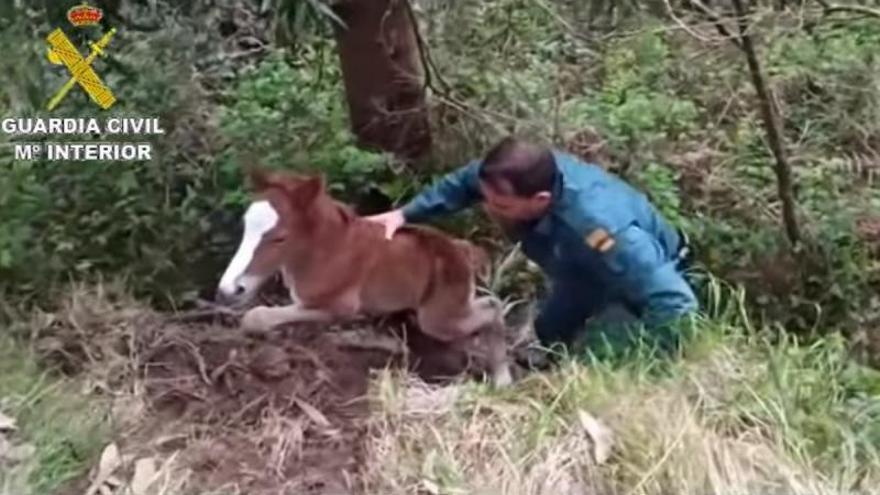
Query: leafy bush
pixel 293 116
pixel 637 102
pixel 79 220
pixel 171 224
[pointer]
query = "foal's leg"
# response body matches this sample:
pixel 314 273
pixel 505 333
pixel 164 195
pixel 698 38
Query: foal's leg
pixel 345 307
pixel 484 311
pixel 264 318
pixel 492 335
pixel 480 328
pixel 491 342
pixel 448 323
pixel 499 364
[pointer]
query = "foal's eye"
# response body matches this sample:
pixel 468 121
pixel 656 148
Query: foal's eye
pixel 278 240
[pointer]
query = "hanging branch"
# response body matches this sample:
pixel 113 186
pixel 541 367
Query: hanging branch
pixel 716 20
pixel 772 127
pixel 424 53
pixel 856 9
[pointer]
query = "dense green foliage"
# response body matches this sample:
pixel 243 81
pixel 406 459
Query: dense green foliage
pixel 673 114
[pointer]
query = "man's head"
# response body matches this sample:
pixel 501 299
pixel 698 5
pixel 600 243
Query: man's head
pixel 516 179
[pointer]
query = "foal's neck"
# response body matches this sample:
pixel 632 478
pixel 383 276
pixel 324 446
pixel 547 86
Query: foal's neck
pixel 334 221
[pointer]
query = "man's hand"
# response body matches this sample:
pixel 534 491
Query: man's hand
pixel 392 221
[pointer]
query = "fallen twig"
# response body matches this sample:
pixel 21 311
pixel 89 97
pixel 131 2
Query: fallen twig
pixel 194 352
pixel 220 370
pixel 356 340
pixel 236 419
pixel 207 311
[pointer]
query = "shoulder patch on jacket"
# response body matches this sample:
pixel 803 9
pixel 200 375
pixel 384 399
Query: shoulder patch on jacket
pixel 600 240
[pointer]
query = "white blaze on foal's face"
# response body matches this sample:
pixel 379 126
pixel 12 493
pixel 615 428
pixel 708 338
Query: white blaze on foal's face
pixel 236 283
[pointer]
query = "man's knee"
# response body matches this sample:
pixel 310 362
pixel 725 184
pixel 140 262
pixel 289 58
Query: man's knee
pixel 563 314
pixel 553 328
pixel 670 296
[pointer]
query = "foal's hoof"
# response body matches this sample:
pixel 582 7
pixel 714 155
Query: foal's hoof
pixel 257 319
pixel 502 377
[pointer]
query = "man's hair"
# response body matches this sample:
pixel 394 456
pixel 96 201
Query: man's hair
pixel 527 168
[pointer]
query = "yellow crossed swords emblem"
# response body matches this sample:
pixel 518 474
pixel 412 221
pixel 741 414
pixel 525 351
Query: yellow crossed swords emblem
pixel 62 51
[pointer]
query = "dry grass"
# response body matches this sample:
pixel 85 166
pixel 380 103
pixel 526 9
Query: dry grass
pixel 676 433
pixel 74 388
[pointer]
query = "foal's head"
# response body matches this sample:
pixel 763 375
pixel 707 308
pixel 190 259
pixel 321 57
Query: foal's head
pixel 282 211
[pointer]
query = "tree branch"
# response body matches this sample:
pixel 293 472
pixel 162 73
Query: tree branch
pixel 682 24
pixel 856 9
pixel 772 127
pixel 427 61
pixel 716 20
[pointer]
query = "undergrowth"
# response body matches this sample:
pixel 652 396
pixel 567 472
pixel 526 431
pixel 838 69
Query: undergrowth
pixel 766 396
pixel 743 411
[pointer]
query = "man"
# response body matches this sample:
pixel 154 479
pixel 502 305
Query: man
pixel 600 242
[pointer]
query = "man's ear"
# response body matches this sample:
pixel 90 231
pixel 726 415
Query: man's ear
pixel 543 196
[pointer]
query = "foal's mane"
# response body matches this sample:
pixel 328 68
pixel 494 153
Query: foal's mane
pixel 346 212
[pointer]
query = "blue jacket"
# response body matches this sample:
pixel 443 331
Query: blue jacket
pixel 600 235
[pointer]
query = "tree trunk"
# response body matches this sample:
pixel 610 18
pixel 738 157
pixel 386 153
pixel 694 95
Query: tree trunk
pixel 772 127
pixel 384 76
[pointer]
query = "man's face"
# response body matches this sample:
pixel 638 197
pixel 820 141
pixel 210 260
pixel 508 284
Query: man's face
pixel 500 202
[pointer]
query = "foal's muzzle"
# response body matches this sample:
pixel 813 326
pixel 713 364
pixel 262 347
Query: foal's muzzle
pixel 231 298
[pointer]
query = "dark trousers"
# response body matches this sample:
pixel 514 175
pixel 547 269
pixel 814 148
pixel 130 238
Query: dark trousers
pixel 563 313
pixel 604 326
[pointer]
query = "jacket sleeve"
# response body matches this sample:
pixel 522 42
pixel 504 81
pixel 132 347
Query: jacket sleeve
pixel 454 191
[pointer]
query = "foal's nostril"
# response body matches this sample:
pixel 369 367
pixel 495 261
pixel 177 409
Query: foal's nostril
pixel 227 296
pixel 230 294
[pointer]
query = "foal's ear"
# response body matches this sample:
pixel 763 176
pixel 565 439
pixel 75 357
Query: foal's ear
pixel 259 177
pixel 309 190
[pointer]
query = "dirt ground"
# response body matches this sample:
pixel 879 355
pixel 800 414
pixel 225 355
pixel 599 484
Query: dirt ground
pixel 282 412
pixel 274 413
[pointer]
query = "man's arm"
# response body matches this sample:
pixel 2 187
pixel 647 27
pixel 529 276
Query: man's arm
pixel 455 191
pixel 649 277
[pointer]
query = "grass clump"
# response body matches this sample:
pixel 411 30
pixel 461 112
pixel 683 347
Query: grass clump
pixel 66 430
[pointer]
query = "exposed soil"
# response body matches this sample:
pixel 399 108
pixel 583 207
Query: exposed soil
pixel 274 413
pixel 283 412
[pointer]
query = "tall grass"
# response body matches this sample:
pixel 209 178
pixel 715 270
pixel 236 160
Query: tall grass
pixel 742 411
